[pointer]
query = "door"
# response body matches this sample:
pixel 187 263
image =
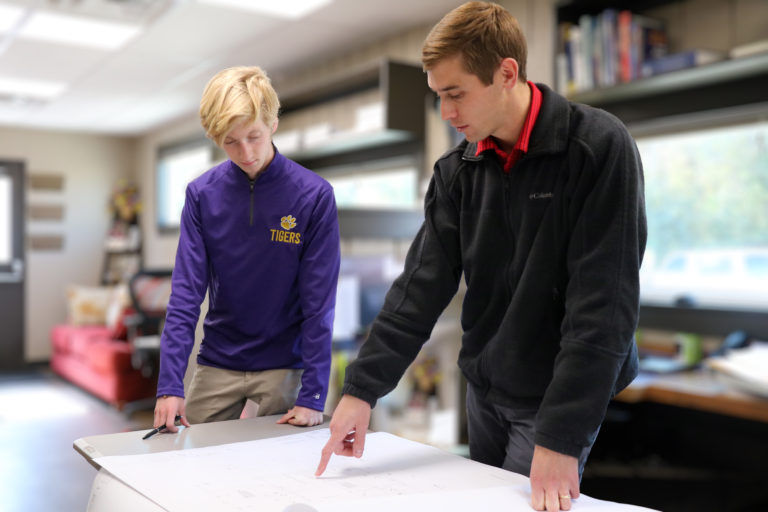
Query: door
pixel 11 265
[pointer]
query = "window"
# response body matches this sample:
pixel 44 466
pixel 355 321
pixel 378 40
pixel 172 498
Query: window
pixel 706 197
pixel 177 165
pixel 388 184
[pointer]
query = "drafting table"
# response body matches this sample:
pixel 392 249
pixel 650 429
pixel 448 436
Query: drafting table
pixel 110 494
pixel 260 466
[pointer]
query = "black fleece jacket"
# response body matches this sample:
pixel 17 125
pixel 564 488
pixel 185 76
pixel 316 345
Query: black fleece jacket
pixel 550 252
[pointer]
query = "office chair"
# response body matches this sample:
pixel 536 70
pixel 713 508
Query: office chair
pixel 149 291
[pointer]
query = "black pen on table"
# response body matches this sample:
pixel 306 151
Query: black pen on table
pixel 158 429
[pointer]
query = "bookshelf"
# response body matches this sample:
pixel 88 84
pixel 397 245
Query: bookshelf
pixel 723 84
pixel 729 83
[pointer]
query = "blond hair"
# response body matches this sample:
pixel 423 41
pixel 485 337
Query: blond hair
pixel 482 34
pixel 237 94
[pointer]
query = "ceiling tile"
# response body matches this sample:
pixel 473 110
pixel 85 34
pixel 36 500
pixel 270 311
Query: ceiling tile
pixel 45 61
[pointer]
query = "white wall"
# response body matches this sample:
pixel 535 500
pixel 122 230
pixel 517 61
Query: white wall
pixel 713 24
pixel 159 248
pixel 537 19
pixel 91 166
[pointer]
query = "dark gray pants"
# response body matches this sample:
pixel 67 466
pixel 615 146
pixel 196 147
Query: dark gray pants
pixel 502 436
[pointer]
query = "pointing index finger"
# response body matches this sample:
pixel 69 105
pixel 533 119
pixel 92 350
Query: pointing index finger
pixel 336 439
pixel 325 457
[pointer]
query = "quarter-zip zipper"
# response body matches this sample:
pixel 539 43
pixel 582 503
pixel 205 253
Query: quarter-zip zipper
pixel 252 184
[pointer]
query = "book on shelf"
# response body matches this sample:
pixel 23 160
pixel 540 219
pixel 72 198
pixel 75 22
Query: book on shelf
pixel 608 73
pixel 679 61
pixel 627 58
pixel 649 38
pixel 607 48
pixel 587 28
pixel 745 50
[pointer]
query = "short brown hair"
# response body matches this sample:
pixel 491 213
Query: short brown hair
pixel 482 34
pixel 237 94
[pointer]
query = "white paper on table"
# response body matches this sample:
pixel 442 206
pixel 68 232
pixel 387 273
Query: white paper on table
pixel 277 474
pixel 747 366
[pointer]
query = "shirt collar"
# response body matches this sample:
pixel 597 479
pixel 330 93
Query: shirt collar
pixel 521 145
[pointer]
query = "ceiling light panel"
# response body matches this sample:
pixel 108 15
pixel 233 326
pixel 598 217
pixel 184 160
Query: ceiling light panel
pixel 38 60
pixel 284 9
pixel 9 16
pixel 78 31
pixel 30 89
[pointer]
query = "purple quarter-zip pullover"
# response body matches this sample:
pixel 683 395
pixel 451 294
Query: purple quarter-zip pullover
pixel 267 252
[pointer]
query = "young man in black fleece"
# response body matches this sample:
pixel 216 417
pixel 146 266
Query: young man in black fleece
pixel 541 209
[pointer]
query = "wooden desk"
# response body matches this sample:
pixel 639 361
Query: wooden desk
pixel 690 440
pixel 700 389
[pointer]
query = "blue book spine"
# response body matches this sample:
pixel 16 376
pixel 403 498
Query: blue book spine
pixel 678 61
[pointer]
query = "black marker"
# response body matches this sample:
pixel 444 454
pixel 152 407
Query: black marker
pixel 158 429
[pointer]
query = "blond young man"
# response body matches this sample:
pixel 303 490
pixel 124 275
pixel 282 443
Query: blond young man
pixel 541 210
pixel 259 233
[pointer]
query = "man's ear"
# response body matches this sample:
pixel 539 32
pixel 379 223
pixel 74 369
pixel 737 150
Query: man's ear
pixel 509 69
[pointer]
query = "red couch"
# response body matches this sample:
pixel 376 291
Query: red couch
pixel 91 358
pixel 91 350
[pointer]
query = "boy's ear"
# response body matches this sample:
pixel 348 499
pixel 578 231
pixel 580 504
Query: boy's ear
pixel 274 126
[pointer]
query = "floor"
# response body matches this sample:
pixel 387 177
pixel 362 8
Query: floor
pixel 41 416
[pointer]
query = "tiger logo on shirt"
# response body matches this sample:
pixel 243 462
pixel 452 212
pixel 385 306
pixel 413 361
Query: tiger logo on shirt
pixel 288 222
pixel 286 236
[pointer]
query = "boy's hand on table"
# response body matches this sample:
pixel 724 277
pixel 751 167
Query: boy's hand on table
pixel 166 409
pixel 302 416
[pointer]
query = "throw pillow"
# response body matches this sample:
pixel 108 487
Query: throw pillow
pixel 87 305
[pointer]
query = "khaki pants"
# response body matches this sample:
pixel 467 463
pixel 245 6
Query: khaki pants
pixel 218 395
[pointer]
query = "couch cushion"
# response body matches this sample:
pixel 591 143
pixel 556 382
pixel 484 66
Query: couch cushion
pixel 82 339
pixel 116 388
pixel 62 336
pixel 105 356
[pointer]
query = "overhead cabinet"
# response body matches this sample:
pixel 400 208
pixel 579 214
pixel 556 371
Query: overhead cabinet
pixel 354 120
pixel 378 104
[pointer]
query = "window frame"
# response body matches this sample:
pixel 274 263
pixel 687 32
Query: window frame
pixel 714 321
pixel 165 151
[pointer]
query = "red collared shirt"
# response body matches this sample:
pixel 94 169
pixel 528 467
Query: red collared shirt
pixel 521 146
